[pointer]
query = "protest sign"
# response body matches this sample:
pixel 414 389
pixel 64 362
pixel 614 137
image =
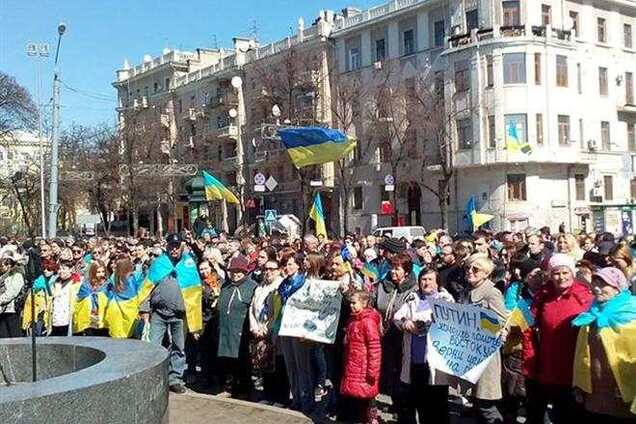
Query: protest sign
pixel 462 339
pixel 313 311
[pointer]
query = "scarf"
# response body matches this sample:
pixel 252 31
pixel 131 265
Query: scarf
pixel 290 285
pixel 614 313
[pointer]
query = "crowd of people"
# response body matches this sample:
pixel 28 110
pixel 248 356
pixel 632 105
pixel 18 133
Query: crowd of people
pixel 216 303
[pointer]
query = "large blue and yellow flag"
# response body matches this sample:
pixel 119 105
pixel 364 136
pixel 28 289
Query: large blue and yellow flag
pixel 521 315
pixel 513 142
pixel 475 219
pixel 43 302
pixel 315 145
pixel 122 307
pixel 189 281
pixel 215 190
pixel 615 321
pixel 90 307
pixel 318 215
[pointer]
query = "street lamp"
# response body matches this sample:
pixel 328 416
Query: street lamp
pixel 39 50
pixel 53 187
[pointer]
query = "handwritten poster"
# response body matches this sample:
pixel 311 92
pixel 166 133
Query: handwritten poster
pixel 313 312
pixel 462 339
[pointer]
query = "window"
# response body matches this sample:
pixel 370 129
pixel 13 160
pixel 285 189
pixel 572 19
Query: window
pixel 574 16
pixel 354 59
pixel 579 186
pixel 514 68
pixel 409 42
pixel 357 198
pixel 439 33
pixel 608 187
pixel 605 136
pixel 490 78
pixel 516 124
pixel 546 14
pixel 562 71
pixel 472 20
pixel 629 88
pixel 155 87
pixel 627 36
pixel 602 81
pixel 516 187
pixel 537 68
pixel 579 84
pixel 465 133
pixel 631 137
pixel 380 50
pixel 601 30
pixel 462 76
pixel 564 129
pixel 511 13
pixel 632 189
pixel 492 136
pixel 539 128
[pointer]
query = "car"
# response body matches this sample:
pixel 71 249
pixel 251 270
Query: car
pixel 399 232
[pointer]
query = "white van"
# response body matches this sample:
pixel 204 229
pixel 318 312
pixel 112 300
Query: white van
pixel 399 232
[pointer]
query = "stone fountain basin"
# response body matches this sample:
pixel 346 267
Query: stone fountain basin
pixel 83 380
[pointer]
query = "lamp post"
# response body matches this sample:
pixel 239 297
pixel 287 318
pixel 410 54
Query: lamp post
pixel 39 50
pixel 53 187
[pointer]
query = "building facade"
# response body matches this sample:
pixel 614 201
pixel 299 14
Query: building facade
pixel 558 73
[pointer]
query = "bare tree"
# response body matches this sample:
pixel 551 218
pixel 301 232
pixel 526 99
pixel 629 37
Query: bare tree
pixel 17 109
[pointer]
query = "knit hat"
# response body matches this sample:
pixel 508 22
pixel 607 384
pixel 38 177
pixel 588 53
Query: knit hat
pixel 239 263
pixel 561 259
pixel 392 245
pixel 613 277
pixel 526 267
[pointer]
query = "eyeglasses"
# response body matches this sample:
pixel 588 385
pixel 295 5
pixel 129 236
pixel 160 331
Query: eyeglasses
pixel 270 269
pixel 472 269
pixel 77 252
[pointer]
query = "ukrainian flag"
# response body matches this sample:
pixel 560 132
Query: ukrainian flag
pixel 513 143
pixel 475 218
pixel 43 302
pixel 370 271
pixel 188 280
pixel 521 316
pixel 315 145
pixel 215 190
pixel 122 308
pixel 87 301
pixel 489 323
pixel 318 215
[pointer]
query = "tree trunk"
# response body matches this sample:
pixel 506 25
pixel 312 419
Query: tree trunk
pixel 344 201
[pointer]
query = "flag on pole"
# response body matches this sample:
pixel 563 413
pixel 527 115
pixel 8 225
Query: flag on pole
pixel 476 219
pixel 215 190
pixel 317 214
pixel 315 145
pixel 513 142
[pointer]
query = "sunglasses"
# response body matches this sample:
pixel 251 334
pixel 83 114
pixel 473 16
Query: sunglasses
pixel 271 269
pixel 473 269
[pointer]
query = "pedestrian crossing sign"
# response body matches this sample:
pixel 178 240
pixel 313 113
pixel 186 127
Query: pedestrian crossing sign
pixel 270 215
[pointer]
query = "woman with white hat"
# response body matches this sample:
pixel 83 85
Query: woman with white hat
pixel 11 282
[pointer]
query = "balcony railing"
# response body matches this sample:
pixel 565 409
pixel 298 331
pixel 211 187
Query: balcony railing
pixel 228 131
pixel 509 31
pixel 224 100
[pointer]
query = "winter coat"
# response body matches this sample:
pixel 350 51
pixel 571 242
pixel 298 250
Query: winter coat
pixel 389 298
pixel 234 303
pixel 548 351
pixel 10 286
pixel 409 312
pixel 362 356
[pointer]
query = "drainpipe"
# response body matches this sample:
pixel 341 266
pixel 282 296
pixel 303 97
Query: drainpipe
pixel 568 174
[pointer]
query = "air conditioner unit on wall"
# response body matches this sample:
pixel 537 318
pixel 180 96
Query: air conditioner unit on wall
pixel 591 145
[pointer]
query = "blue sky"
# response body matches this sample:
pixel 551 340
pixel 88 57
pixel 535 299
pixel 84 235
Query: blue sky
pixel 101 33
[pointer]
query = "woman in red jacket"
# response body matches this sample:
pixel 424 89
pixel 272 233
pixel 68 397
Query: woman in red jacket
pixel 548 348
pixel 362 359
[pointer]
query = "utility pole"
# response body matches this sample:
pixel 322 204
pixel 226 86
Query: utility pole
pixel 53 186
pixel 40 50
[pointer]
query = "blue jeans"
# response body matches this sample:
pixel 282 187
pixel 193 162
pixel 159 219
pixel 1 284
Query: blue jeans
pixel 159 325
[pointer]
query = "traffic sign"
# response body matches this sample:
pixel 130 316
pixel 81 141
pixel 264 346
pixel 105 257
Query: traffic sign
pixel 315 183
pixel 389 187
pixel 259 179
pixel 270 215
pixel 271 183
pixel 389 180
pixel 259 188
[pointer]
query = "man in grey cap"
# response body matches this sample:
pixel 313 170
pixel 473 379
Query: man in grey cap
pixel 164 309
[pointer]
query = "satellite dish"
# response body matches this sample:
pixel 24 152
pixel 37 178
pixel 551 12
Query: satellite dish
pixel 276 111
pixel 233 113
pixel 237 82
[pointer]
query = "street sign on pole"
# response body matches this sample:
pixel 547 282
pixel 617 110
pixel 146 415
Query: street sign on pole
pixel 389 187
pixel 259 188
pixel 389 180
pixel 270 215
pixel 259 179
pixel 271 183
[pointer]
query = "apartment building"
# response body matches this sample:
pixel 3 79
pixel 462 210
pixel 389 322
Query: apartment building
pixel 560 73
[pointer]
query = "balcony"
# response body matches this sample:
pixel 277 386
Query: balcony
pixel 228 131
pixel 511 31
pixel 224 100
